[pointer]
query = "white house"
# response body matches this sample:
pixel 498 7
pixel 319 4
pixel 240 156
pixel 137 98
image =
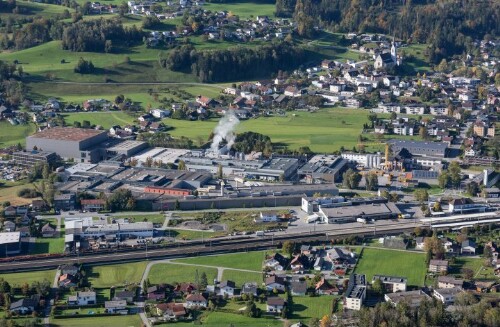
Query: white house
pixel 275 304
pixel 227 287
pixel 115 306
pixel 196 301
pixel 391 283
pixel 447 295
pixel 83 298
pixel 160 113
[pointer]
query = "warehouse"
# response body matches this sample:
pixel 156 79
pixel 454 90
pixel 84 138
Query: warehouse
pixel 420 148
pixel 351 213
pixel 82 145
pixel 127 148
pixel 10 243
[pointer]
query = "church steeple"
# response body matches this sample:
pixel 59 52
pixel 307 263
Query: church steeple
pixel 394 54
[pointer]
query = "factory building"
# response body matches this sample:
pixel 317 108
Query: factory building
pixel 33 157
pixel 10 243
pixel 127 148
pixel 79 144
pixel 348 214
pixel 323 169
pixel 365 159
pixel 420 148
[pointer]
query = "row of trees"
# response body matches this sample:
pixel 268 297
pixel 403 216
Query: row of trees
pixel 234 63
pixel 250 141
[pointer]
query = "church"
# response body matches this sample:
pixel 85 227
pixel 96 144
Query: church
pixel 387 60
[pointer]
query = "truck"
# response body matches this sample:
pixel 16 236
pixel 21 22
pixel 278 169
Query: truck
pixel 259 233
pixel 361 220
pixel 312 219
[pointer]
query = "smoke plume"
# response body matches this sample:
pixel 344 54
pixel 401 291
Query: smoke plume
pixel 225 131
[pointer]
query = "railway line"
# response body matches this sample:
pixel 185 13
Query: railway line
pixel 189 249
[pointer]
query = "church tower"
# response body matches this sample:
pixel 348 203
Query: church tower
pixel 394 54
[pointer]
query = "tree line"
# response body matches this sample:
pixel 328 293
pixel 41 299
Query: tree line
pixel 100 35
pixel 234 63
pixel 450 27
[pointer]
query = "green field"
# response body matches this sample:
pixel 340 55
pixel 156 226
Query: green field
pixel 241 277
pixel 48 245
pixel 244 9
pixel 29 277
pixel 13 134
pixel 115 275
pixel 393 263
pixel 105 119
pixel 114 321
pixel 186 234
pixel 247 260
pixel 216 319
pixel 172 273
pixel 324 131
pixel 305 307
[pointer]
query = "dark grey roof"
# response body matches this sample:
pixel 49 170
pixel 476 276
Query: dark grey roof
pixel 425 174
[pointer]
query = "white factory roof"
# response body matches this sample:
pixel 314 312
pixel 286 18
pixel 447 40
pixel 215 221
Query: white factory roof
pixel 10 237
pixel 165 155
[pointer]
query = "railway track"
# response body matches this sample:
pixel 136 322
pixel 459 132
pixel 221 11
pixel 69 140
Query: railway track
pixel 188 249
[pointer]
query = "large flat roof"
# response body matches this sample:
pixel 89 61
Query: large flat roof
pixel 67 134
pixel 360 210
pixel 9 238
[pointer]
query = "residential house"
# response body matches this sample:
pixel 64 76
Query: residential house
pixel 65 201
pixel 468 247
pixel 9 226
pixel 298 288
pixel 171 311
pixel 204 101
pixel 125 295
pixel 38 205
pixel 299 264
pixel 275 304
pixel 276 262
pixel 392 284
pixel 67 281
pixel 119 306
pixel 69 269
pixel 249 288
pixel 449 282
pixel 447 295
pixel 10 211
pixel 275 282
pixel 24 306
pixel 185 288
pixel 196 301
pixel 83 298
pixel 419 243
pixel 160 113
pixel 438 266
pixel 323 287
pixel 227 288
pixel 145 118
pixel 156 293
pixel 292 91
pixel 48 231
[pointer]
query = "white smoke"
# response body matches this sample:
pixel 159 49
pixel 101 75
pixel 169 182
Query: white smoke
pixel 225 131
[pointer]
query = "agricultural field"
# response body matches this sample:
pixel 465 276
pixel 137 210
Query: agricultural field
pixel 172 273
pixel 105 119
pixel 113 321
pixel 305 307
pixel 393 263
pixel 115 275
pixel 14 134
pixel 248 261
pixel 29 277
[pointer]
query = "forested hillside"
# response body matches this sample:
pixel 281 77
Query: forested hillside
pixel 448 26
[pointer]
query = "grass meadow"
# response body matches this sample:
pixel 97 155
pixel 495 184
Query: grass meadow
pixel 29 277
pixel 248 261
pixel 173 273
pixel 115 275
pixel 13 134
pixel 112 321
pixel 393 263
